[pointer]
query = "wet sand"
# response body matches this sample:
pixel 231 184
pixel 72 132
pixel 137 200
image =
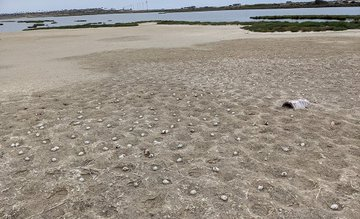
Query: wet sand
pixel 179 122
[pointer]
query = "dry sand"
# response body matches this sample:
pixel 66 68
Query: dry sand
pixel 179 122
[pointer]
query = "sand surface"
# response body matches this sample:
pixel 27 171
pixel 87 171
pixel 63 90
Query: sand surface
pixel 179 122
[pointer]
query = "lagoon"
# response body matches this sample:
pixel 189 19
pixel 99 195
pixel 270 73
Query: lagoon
pixel 12 25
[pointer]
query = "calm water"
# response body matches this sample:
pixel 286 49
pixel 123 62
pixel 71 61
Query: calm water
pixel 231 15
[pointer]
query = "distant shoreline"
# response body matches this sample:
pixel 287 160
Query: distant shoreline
pixel 96 11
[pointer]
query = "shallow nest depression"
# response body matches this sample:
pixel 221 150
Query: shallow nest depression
pixel 191 133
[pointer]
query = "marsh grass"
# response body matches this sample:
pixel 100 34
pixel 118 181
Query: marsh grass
pixel 309 17
pixel 35 21
pixel 88 25
pixel 299 26
pixel 37 25
pixel 262 26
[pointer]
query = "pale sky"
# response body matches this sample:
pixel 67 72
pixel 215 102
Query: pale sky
pixel 10 6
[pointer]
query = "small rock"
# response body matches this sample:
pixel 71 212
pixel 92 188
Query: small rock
pixel 302 144
pixel 21 152
pixel 260 187
pixel 105 148
pixel 212 134
pixel 165 182
pixel 81 179
pixel 143 134
pixel 53 159
pixel 155 168
pixel 164 131
pixel 54 148
pixel 180 146
pixel 215 169
pixel 193 192
pixel 27 158
pixel 114 139
pixel 285 148
pixel 81 153
pixel 334 207
pixel 108 125
pixel 77 123
pixel 37 134
pixel 179 160
pixel 73 136
pixel 236 153
pixel 125 169
pixel 224 197
pixel 87 128
pixel 284 174
pixel 86 142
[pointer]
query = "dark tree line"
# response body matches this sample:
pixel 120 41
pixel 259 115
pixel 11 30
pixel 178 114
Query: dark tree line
pixel 319 1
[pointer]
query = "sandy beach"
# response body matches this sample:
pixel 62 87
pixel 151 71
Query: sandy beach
pixel 179 122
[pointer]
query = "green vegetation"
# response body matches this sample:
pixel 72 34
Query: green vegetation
pixel 36 21
pixel 88 25
pixel 310 17
pixel 36 25
pixel 262 26
pixel 278 26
